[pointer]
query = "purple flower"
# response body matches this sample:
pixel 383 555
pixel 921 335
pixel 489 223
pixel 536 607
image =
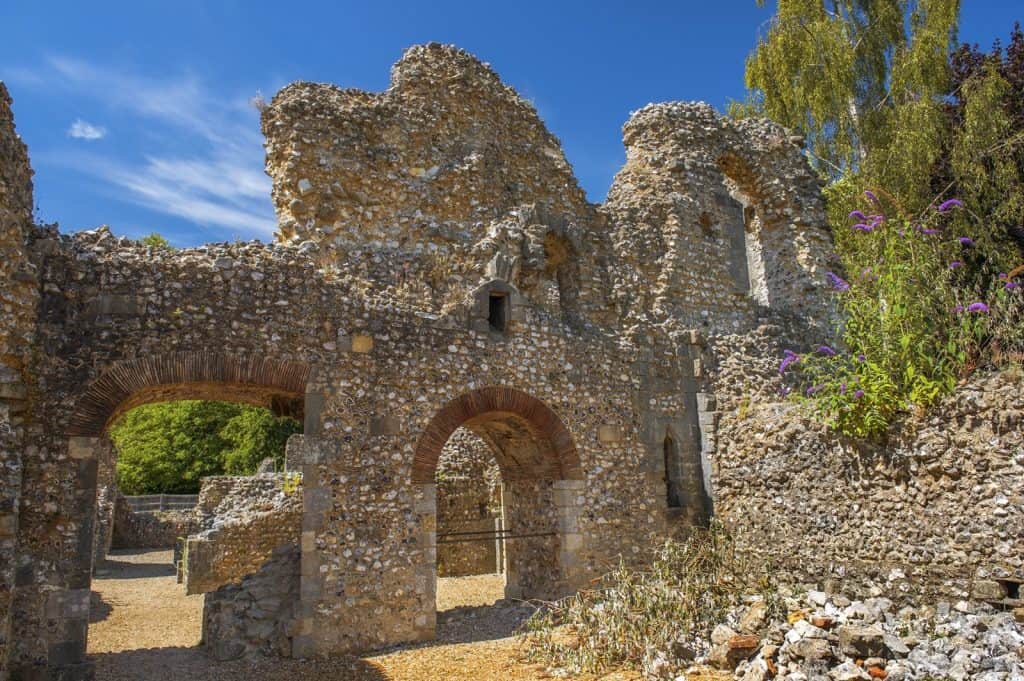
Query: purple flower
pixel 813 389
pixel 977 307
pixel 859 394
pixel 826 350
pixel 958 309
pixel 861 227
pixel 965 240
pixel 842 388
pixel 785 390
pixel 871 195
pixel 953 265
pixel 858 214
pixel 1010 285
pixel 837 282
pixel 949 205
pixel 790 358
pixel 927 231
pixel 861 358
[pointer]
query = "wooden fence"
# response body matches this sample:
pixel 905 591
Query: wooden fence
pixel 162 502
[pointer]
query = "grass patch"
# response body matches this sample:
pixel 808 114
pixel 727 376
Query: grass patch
pixel 665 611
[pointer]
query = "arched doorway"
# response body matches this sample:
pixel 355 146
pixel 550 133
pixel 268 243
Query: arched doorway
pixel 277 385
pixel 541 478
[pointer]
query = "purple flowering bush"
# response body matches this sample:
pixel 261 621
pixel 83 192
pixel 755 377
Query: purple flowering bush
pixel 922 307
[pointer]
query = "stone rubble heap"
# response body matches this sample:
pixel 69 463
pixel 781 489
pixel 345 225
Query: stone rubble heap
pixel 827 636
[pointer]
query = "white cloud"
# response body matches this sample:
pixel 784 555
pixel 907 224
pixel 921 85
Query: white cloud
pixel 84 130
pixel 217 183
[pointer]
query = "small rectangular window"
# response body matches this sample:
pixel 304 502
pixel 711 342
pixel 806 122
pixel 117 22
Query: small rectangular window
pixel 672 495
pixel 496 312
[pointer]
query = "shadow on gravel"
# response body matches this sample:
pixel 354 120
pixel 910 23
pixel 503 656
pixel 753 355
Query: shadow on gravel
pixel 469 624
pixel 116 569
pixel 99 609
pixel 192 664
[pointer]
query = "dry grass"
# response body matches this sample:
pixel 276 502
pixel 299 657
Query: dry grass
pixel 635 617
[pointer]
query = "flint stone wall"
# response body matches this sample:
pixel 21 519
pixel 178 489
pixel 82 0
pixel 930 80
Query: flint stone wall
pixel 18 298
pixel 408 216
pixel 255 616
pixel 250 518
pixel 714 220
pixel 935 514
pixel 153 530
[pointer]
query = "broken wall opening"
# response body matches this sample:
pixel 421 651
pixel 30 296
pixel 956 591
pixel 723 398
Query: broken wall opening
pixel 469 508
pixel 747 228
pixel 562 266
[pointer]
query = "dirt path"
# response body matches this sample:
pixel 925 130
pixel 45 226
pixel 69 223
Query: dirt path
pixel 144 627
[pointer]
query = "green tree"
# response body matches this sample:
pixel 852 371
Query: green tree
pixel 887 103
pixel 168 447
pixel 254 435
pixel 863 81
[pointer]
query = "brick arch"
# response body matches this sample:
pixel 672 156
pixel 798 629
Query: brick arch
pixel 479 411
pixel 185 375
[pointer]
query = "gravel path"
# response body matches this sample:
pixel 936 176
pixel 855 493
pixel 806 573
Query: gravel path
pixel 144 627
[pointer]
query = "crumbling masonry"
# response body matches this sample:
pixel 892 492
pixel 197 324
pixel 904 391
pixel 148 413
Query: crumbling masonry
pixel 437 268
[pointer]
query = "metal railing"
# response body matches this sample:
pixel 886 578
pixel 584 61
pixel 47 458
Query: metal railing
pixel 162 502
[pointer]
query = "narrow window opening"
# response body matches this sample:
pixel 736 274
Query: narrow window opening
pixel 672 496
pixel 706 224
pixel 496 311
pixel 1011 588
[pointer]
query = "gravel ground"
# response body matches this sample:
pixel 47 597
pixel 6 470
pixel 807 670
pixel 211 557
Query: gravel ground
pixel 144 627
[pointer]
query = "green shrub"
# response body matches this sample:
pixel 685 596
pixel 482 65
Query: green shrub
pixel 923 302
pixel 155 240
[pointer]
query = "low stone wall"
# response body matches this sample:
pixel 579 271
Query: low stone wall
pixel 157 530
pixel 250 517
pixel 936 513
pixel 223 496
pixel 254 617
pixel 468 500
pixel 460 554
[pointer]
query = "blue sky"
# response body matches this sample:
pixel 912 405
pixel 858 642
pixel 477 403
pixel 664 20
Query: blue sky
pixel 137 114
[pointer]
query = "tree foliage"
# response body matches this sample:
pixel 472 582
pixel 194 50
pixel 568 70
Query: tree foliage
pixel 916 316
pixel 168 447
pixel 887 101
pixel 983 161
pixel 863 81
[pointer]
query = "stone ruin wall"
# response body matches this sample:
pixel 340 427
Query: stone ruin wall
pixel 18 298
pixel 401 213
pixel 113 305
pixel 153 530
pixel 469 499
pixel 255 615
pixel 936 513
pixel 715 220
pixel 240 521
pixel 410 189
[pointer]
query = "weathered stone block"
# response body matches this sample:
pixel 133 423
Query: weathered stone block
pixel 362 343
pixel 82 447
pixel 385 425
pixel 607 434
